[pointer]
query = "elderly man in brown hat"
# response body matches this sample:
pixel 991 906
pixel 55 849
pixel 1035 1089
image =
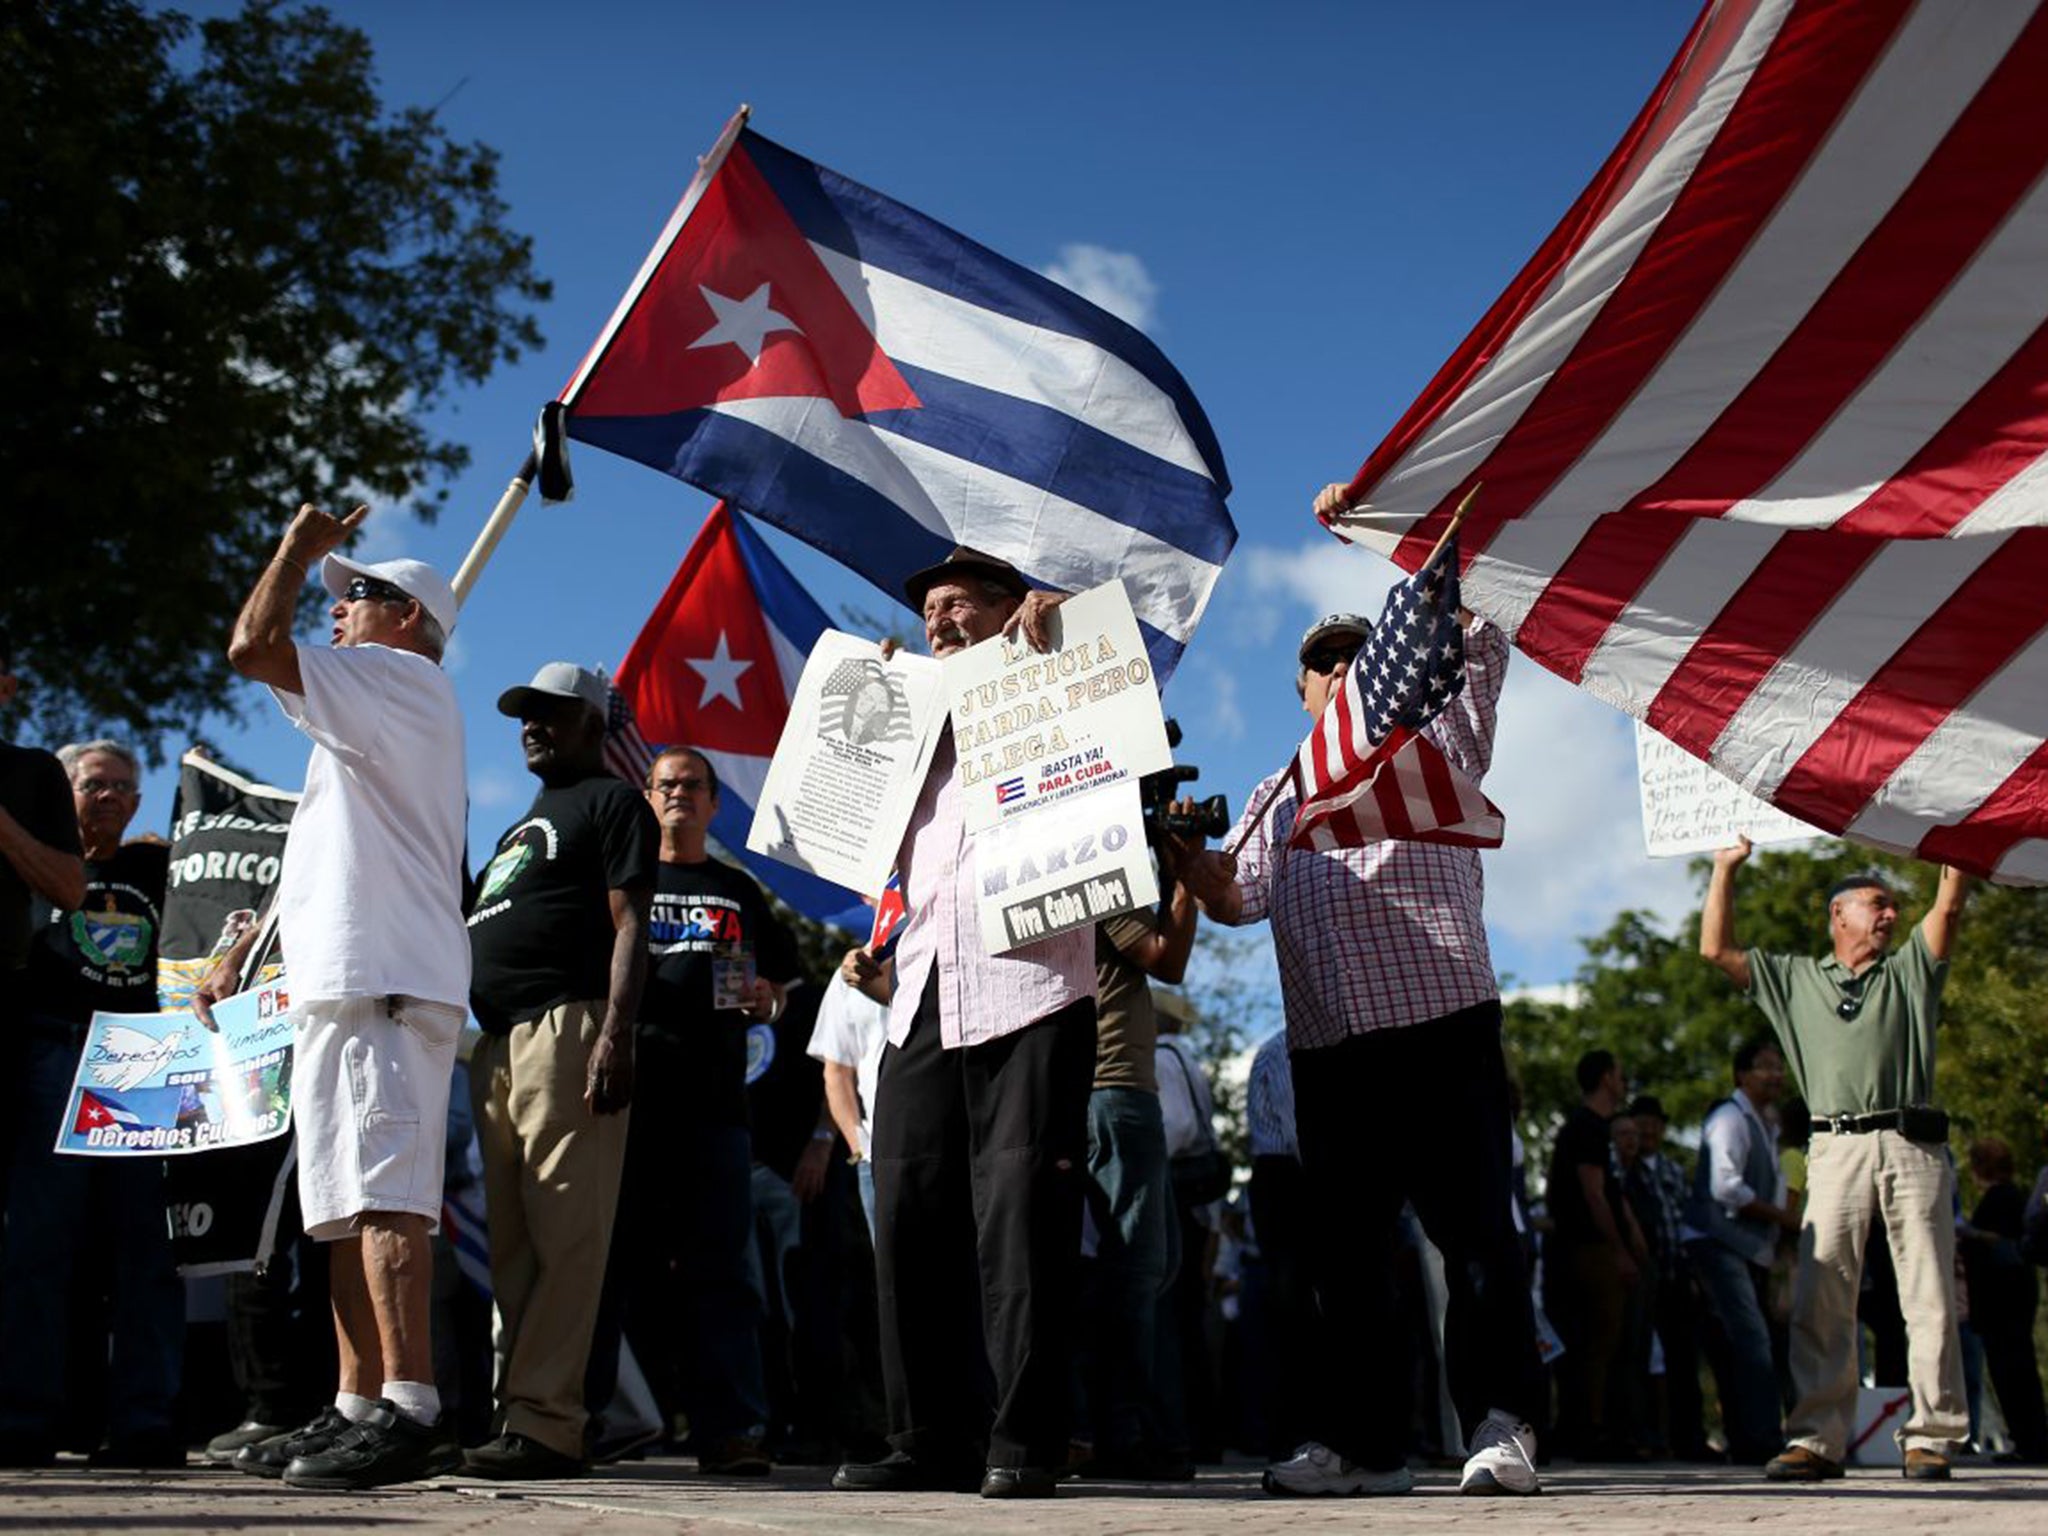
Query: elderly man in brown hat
pixel 981 1132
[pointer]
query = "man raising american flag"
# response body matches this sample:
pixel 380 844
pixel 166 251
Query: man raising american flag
pixel 1393 1024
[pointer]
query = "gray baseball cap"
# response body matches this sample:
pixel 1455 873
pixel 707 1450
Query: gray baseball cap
pixel 556 680
pixel 1354 625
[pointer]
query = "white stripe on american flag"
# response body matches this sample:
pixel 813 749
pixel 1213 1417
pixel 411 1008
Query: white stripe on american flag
pixel 1925 193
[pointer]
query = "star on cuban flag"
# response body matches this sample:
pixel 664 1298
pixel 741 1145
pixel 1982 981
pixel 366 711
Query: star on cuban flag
pixel 713 669
pixel 884 388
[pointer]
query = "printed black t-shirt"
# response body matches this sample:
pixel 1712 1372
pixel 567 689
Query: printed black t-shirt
pixel 698 1052
pixel 785 1083
pixel 36 793
pixel 540 924
pixel 1583 1141
pixel 102 958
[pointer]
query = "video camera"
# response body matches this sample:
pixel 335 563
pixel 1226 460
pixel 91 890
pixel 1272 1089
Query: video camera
pixel 1157 792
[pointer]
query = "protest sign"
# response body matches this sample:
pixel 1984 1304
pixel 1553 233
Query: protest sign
pixel 1032 728
pixel 1689 807
pixel 162 1084
pixel 851 760
pixel 1068 864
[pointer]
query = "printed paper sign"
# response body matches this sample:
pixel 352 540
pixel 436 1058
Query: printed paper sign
pixel 1066 865
pixel 163 1084
pixel 1033 728
pixel 1689 807
pixel 852 758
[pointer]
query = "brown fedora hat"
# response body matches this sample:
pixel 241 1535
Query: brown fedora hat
pixel 961 563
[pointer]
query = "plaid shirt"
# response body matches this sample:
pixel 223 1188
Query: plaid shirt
pixel 1389 934
pixel 1269 1100
pixel 1668 1189
pixel 981 996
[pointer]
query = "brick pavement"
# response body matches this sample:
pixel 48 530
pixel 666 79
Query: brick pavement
pixel 666 1497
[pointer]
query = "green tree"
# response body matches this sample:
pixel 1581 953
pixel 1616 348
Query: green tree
pixel 230 280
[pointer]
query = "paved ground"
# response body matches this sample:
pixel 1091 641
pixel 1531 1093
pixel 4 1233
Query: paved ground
pixel 664 1497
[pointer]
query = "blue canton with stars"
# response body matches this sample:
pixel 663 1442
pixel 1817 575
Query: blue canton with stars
pixel 1413 663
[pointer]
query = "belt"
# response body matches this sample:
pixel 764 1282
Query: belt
pixel 1917 1124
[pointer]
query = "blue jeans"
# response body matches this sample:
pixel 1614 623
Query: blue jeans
pixel 57 1207
pixel 1734 1290
pixel 1136 1254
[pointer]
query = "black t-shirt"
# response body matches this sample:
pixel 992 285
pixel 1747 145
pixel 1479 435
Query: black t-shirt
pixel 701 1051
pixel 540 925
pixel 102 958
pixel 1583 1142
pixel 785 1083
pixel 36 793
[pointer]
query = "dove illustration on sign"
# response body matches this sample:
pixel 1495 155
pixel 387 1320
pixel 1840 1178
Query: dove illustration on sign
pixel 131 1057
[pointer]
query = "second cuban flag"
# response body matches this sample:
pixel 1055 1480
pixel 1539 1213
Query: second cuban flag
pixel 884 388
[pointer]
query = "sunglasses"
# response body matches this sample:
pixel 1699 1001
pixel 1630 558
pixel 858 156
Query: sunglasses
pixel 1852 1002
pixel 1329 659
pixel 368 588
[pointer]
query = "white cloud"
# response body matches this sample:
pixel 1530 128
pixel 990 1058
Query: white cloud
pixel 1116 280
pixel 1221 717
pixel 1322 575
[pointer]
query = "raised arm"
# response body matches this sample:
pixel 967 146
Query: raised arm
pixel 262 647
pixel 1938 927
pixel 1717 919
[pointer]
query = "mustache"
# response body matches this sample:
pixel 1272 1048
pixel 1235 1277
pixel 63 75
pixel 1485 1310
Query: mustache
pixel 951 634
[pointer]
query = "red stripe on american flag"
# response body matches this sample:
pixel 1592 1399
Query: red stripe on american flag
pixel 1998 609
pixel 2010 814
pixel 1813 68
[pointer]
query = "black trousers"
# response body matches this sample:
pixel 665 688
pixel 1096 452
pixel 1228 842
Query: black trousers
pixel 1285 1221
pixel 980 1157
pixel 1418 1114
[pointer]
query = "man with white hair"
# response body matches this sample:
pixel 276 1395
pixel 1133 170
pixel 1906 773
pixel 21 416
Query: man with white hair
pixel 369 908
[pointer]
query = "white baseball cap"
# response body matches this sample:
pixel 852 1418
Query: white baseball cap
pixel 415 578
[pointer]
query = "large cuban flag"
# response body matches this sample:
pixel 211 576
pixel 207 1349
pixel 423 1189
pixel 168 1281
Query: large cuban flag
pixel 885 389
pixel 714 669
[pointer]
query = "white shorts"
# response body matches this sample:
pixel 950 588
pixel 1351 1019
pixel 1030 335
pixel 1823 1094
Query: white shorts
pixel 370 1103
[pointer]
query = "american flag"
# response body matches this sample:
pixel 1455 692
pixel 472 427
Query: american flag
pixel 1366 773
pixel 1763 425
pixel 626 752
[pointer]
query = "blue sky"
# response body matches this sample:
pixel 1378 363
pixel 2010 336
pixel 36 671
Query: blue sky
pixel 1306 205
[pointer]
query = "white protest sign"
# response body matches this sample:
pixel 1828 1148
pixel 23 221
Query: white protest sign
pixel 1070 863
pixel 1033 728
pixel 850 762
pixel 1689 807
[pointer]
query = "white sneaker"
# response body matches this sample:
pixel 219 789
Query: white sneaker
pixel 1316 1469
pixel 1503 1458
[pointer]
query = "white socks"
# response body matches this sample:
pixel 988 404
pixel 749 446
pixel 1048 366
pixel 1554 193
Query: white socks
pixel 354 1407
pixel 419 1401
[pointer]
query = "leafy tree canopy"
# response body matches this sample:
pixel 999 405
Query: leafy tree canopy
pixel 231 279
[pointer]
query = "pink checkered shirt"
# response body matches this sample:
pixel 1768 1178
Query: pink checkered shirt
pixel 981 996
pixel 1392 933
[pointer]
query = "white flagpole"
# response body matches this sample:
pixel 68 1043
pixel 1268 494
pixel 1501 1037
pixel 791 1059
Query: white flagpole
pixel 500 520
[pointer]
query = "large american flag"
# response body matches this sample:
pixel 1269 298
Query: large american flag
pixel 1763 425
pixel 1366 773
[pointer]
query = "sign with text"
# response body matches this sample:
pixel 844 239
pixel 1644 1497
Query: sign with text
pixel 1034 728
pixel 850 762
pixel 1070 863
pixel 1689 807
pixel 163 1084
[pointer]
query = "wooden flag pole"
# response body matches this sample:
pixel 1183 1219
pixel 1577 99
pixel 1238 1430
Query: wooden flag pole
pixel 1265 805
pixel 494 528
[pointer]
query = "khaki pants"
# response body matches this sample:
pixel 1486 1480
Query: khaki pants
pixel 1850 1179
pixel 551 1176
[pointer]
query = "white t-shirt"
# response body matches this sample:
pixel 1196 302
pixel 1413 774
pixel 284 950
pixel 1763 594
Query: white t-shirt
pixel 851 1030
pixel 370 900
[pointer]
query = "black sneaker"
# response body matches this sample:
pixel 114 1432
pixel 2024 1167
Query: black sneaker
pixel 226 1445
pixel 269 1458
pixel 384 1448
pixel 514 1457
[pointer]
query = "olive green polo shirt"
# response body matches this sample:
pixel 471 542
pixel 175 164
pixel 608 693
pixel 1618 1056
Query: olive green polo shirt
pixel 1881 1059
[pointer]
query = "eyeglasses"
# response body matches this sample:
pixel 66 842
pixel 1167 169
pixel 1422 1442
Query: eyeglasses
pixel 106 786
pixel 362 588
pixel 1329 659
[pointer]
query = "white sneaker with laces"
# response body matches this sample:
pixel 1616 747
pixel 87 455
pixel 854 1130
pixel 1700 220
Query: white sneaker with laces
pixel 1503 1458
pixel 1316 1469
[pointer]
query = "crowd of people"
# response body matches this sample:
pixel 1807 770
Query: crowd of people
pixel 943 1219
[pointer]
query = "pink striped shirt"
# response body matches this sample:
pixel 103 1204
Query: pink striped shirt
pixel 981 996
pixel 1392 933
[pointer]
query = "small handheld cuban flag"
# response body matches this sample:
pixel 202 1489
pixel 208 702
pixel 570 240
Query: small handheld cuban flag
pixel 890 916
pixel 885 389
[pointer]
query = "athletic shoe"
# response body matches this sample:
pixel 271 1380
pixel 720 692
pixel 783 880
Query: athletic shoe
pixel 1925 1466
pixel 269 1458
pixel 223 1446
pixel 1316 1470
pixel 1503 1458
pixel 1797 1464
pixel 382 1449
pixel 514 1457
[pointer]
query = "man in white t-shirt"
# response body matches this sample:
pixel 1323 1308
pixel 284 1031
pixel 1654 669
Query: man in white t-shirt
pixel 848 1038
pixel 369 908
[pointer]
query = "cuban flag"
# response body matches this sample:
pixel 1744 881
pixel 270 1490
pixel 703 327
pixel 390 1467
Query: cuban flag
pixel 714 669
pixel 885 389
